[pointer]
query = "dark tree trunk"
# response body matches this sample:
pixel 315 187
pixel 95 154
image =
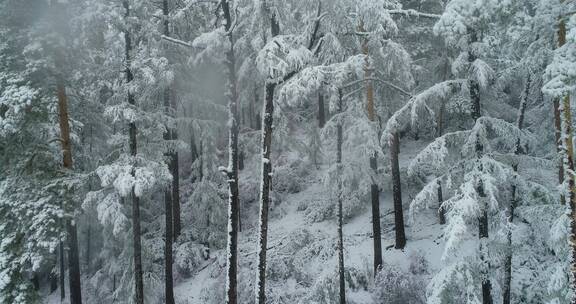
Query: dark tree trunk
pixel 88 244
pixel 137 242
pixel 232 172
pixel 170 194
pixel 74 265
pixel 483 219
pixel 374 191
pixel 265 191
pixel 266 183
pixel 321 111
pixel 376 230
pixel 558 134
pixel 62 273
pixel 176 214
pixel 513 202
pixel 397 192
pixel 568 146
pixel 441 210
pixel 201 157
pixel 341 269
pixel 168 237
pixel 73 256
pixel 193 150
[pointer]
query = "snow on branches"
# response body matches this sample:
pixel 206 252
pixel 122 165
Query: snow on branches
pixel 282 55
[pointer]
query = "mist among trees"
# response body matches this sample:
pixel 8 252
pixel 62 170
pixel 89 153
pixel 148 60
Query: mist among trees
pixel 297 151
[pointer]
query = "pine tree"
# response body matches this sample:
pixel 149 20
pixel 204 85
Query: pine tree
pixel 136 238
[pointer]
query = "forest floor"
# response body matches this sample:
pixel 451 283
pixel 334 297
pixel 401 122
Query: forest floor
pixel 424 237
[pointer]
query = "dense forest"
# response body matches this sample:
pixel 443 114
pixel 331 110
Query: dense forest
pixel 287 151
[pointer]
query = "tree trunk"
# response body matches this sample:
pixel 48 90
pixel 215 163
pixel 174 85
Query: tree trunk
pixel 232 171
pixel 74 264
pixel 397 191
pixel 73 256
pixel 513 203
pixel 168 237
pixel 558 134
pixel 265 191
pixel 441 210
pixel 62 273
pixel 171 192
pixel 374 191
pixel 267 121
pixel 341 269
pixel 568 147
pixel 483 219
pixel 88 245
pixel 321 111
pixel 136 239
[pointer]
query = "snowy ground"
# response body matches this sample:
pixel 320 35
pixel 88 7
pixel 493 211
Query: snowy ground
pixel 424 236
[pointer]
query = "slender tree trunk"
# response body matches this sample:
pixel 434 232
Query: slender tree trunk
pixel 62 273
pixel 74 264
pixel 558 134
pixel 341 269
pixel 397 191
pixel 136 238
pixel 568 149
pixel 513 202
pixel 73 256
pixel 232 171
pixel 374 191
pixel 88 246
pixel 266 184
pixel 265 191
pixel 321 111
pixel 171 192
pixel 483 219
pixel 168 237
pixel 441 210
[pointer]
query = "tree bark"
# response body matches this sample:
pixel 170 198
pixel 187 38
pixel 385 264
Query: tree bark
pixel 558 134
pixel 321 111
pixel 513 202
pixel 62 273
pixel 74 264
pixel 397 191
pixel 265 191
pixel 341 269
pixel 73 256
pixel 568 147
pixel 441 210
pixel 374 191
pixel 483 219
pixel 171 192
pixel 136 238
pixel 88 246
pixel 232 171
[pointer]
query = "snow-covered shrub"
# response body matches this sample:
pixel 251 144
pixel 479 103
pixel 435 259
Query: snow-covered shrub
pixel 187 257
pixel 289 175
pixel 418 263
pixel 326 288
pixel 208 213
pixel 213 294
pixel 394 286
